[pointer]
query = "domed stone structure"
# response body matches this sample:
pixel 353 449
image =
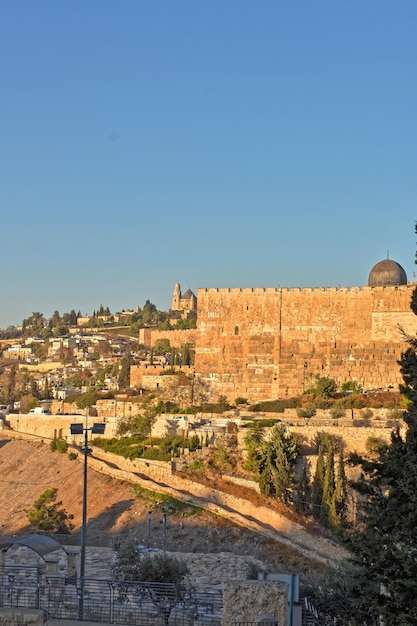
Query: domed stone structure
pixel 387 273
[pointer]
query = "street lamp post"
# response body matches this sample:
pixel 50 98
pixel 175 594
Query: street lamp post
pixel 79 429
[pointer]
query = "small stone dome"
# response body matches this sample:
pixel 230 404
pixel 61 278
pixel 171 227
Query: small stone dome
pixel 387 273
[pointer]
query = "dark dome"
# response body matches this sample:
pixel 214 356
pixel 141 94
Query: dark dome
pixel 387 273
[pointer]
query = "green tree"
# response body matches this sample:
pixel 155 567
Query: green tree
pixel 60 329
pixel 141 423
pixel 302 498
pixel 352 385
pixel 276 469
pixel 337 412
pixel 328 501
pixel 336 598
pixel 325 387
pixel 33 325
pixel 164 576
pixel 253 442
pixel 59 444
pixel 47 516
pixel 46 391
pixel 149 313
pixel 55 319
pixel 85 400
pixel 385 547
pixel 162 346
pixel 11 385
pixel 317 489
pixel 73 318
pixel 340 489
pixel 124 375
pixel 307 412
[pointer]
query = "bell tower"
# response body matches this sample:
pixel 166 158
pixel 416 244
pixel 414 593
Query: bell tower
pixel 176 298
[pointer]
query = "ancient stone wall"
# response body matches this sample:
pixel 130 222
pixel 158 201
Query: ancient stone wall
pixel 271 343
pixel 50 426
pixel 177 338
pixel 249 601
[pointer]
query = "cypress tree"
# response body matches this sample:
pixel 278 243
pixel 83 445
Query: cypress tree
pixel 282 475
pixel 340 488
pixel 317 490
pixel 302 500
pixel 328 512
pixel 124 376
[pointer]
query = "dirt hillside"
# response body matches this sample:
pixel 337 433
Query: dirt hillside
pixel 27 469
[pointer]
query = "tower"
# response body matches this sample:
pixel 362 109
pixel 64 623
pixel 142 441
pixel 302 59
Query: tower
pixel 176 298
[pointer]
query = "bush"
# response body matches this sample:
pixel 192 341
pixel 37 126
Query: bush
pixel 375 445
pixel 326 441
pixel 274 406
pixel 154 569
pixel 72 456
pixel 197 468
pixel 395 414
pixel 367 414
pixel 58 444
pixel 307 412
pixel 262 423
pixel 324 387
pixel 352 386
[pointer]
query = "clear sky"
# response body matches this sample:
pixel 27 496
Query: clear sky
pixel 218 143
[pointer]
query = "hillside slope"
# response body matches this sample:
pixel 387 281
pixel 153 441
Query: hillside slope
pixel 27 469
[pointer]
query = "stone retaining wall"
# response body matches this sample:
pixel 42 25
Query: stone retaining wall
pixel 262 519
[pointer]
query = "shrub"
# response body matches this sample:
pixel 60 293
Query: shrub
pixel 274 406
pixel 352 386
pixel 131 565
pixel 326 441
pixel 58 444
pixel 262 423
pixel 395 414
pixel 375 445
pixel 197 468
pixel 337 412
pixel 307 412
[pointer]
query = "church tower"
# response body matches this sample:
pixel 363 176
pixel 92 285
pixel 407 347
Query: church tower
pixel 176 298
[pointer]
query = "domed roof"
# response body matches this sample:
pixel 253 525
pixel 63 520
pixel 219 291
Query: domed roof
pixel 387 273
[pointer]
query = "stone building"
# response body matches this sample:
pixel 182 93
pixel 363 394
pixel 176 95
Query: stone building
pixel 183 301
pixel 271 343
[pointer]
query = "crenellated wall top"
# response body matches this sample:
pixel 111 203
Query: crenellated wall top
pixel 339 288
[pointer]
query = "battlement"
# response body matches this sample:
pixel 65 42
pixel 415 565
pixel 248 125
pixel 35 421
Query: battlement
pixel 273 290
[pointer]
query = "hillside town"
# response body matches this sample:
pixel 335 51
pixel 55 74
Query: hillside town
pixel 70 354
pixel 282 467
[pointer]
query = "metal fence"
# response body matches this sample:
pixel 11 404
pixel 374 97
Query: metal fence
pixel 114 602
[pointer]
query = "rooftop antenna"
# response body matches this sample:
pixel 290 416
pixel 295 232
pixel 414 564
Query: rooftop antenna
pixel 387 254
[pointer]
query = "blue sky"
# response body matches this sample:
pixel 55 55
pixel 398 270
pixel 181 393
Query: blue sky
pixel 218 143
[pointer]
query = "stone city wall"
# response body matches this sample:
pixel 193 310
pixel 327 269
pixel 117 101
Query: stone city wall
pixel 177 338
pixel 52 426
pixel 152 377
pixel 272 343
